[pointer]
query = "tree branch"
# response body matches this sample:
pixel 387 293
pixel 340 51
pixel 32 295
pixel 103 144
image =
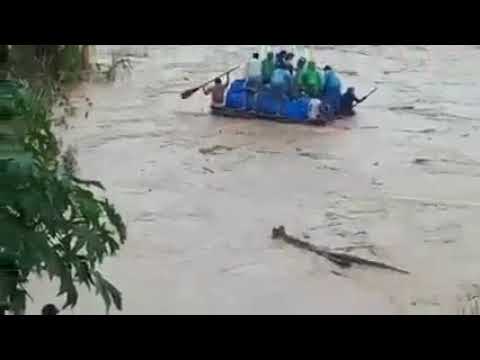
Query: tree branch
pixel 340 259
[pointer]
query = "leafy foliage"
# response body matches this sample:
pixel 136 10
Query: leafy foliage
pixel 3 53
pixel 52 222
pixel 70 61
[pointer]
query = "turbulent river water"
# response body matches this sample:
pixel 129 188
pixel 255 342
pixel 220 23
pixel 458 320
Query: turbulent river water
pixel 398 184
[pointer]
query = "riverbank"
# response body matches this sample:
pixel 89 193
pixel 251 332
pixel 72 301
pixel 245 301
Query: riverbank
pixel 46 208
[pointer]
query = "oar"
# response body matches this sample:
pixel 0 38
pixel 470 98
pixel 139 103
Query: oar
pixel 367 96
pixel 187 93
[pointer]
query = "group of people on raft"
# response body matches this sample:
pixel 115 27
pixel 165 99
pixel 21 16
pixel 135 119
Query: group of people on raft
pixel 285 81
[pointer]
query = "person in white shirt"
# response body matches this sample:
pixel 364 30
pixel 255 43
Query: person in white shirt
pixel 254 72
pixel 314 109
pixel 319 113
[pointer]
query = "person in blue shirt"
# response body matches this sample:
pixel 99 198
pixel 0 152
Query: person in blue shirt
pixel 281 86
pixel 332 81
pixel 332 88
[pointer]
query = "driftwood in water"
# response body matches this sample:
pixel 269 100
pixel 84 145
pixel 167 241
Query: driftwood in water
pixel 340 259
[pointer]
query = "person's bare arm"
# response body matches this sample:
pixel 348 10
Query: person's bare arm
pixel 228 81
pixel 207 91
pixel 357 100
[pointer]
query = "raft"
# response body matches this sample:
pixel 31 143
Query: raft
pixel 244 103
pixel 253 115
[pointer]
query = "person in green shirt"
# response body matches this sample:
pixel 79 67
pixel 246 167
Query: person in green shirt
pixel 268 67
pixel 297 79
pixel 312 81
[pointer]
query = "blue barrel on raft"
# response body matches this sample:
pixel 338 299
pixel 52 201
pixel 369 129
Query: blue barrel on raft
pixel 266 103
pixel 239 97
pixel 297 110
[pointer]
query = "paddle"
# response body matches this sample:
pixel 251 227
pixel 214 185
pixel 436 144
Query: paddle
pixel 187 93
pixel 366 96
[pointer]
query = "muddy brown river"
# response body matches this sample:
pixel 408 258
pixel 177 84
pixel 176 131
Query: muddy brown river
pixel 398 184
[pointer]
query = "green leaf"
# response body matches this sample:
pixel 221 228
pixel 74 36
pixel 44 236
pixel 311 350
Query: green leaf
pixel 29 254
pixel 108 239
pixel 31 203
pixel 8 277
pixel 94 245
pixel 116 220
pixel 87 205
pixel 67 287
pixel 11 230
pixel 101 289
pixel 72 298
pixel 66 282
pixel 18 302
pixel 94 183
pixel 80 243
pixel 21 165
pixel 83 274
pixel 4 164
pixel 15 174
pixel 115 294
pixel 7 287
pixel 54 265
pixel 114 247
pixel 108 292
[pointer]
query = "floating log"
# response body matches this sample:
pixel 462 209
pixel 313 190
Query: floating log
pixel 340 259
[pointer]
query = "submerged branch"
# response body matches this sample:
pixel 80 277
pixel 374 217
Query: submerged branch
pixel 340 259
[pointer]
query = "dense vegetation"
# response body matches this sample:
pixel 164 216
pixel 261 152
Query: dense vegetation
pixel 53 223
